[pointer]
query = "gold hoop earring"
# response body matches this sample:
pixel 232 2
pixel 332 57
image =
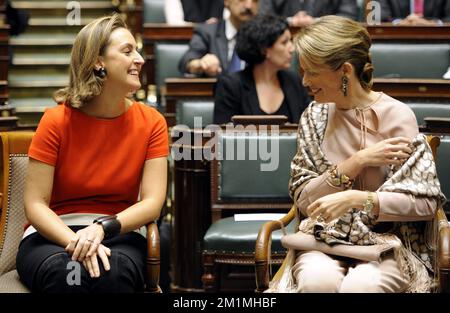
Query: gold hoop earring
pixel 344 86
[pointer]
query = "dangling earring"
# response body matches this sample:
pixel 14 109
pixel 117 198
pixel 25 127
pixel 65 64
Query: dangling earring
pixel 344 86
pixel 100 72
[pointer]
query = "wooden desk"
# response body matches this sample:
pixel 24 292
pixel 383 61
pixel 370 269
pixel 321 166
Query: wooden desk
pixel 399 88
pixel 406 89
pixel 192 214
pixel 389 32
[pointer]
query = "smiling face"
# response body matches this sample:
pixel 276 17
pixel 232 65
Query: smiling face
pixel 122 61
pixel 280 53
pixel 324 83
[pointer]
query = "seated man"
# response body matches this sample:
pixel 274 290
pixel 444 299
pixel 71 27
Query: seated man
pixel 212 45
pixel 415 12
pixel 301 13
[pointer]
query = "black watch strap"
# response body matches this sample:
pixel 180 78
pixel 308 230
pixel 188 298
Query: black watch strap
pixel 111 225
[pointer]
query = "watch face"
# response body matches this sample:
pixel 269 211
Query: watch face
pixel 336 181
pixel 368 206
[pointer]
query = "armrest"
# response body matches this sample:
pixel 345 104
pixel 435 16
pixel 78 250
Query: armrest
pixel 153 257
pixel 262 248
pixel 443 251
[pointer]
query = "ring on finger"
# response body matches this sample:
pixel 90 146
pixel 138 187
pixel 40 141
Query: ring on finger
pixel 320 219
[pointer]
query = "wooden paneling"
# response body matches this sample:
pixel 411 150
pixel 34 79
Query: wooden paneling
pixel 389 32
pixel 404 88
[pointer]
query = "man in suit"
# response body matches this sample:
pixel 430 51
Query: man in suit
pixel 303 12
pixel 415 12
pixel 212 45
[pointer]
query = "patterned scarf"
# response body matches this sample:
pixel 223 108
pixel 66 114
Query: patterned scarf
pixel 413 242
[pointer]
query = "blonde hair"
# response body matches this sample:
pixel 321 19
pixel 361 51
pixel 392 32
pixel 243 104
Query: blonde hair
pixel 334 40
pixel 90 43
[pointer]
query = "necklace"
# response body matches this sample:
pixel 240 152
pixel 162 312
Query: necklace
pixel 370 104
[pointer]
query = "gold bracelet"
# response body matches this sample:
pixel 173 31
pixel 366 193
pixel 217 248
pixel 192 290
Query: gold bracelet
pixel 339 180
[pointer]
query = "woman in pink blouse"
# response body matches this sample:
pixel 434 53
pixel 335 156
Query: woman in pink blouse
pixel 358 172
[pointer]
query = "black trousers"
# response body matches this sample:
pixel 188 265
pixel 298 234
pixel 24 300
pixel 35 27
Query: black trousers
pixel 46 267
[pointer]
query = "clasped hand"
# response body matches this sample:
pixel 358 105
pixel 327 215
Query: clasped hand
pixel 333 206
pixel 86 246
pixel 210 65
pixel 392 151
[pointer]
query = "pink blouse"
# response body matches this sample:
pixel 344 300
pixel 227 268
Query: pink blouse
pixel 344 137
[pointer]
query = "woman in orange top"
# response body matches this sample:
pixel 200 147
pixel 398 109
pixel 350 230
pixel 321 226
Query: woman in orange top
pixel 96 174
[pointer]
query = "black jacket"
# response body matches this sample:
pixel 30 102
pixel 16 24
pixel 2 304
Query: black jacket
pixel 198 11
pixel 235 94
pixel 207 38
pixel 399 9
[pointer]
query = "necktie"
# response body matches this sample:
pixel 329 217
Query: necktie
pixel 235 63
pixel 418 7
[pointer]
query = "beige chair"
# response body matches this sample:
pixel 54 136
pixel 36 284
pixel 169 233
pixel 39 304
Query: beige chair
pixel 263 242
pixel 14 161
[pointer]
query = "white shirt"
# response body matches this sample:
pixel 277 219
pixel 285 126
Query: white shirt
pixel 230 33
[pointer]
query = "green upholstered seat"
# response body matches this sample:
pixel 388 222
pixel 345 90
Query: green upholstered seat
pixel 154 11
pixel 422 110
pixel 251 174
pixel 246 175
pixel 167 56
pixel 241 181
pixel 187 110
pixel 410 60
pixel 228 235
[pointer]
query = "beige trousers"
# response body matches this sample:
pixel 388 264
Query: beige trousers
pixel 319 272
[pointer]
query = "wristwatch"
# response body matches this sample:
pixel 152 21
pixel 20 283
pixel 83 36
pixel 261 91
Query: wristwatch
pixel 368 204
pixel 111 225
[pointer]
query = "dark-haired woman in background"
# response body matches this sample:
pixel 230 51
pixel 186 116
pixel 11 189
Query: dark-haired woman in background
pixel 266 85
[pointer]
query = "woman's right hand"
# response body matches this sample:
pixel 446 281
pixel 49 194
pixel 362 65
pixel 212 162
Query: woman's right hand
pixel 392 151
pixel 90 263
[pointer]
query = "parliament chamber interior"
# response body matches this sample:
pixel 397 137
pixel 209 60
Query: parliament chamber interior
pixel 199 244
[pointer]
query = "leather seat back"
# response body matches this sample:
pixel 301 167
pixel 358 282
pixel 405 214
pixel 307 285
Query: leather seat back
pixel 410 60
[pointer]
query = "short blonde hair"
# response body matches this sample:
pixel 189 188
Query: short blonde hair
pixel 90 43
pixel 334 40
